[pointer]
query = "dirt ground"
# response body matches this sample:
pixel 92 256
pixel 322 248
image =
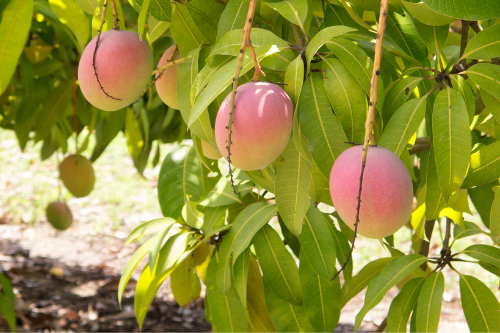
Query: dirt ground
pixel 67 281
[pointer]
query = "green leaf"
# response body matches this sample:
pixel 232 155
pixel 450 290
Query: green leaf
pixel 342 248
pixel 133 133
pixel 107 130
pixel 388 277
pixel 319 191
pixel 7 310
pixel 317 244
pixel 191 215
pixel 480 305
pixel 361 280
pixel 185 283
pixel 245 226
pixel 287 317
pixel 482 197
pixel 292 184
pixel 222 80
pixel 403 304
pixel 132 264
pixel 7 288
pixel 484 166
pixel 227 312
pixel 53 109
pixel 434 37
pixel 346 97
pixel 359 64
pixel 321 296
pixel 484 45
pixel 451 140
pixel 195 23
pixel 471 229
pixel 149 227
pixel 187 73
pixel 398 94
pixel 180 176
pixel 428 310
pixel 233 16
pixel 14 28
pixel 472 10
pixel 74 18
pixel 265 178
pixel 322 129
pixel 295 11
pixel 322 37
pixel 240 273
pixel 221 195
pixel 141 21
pixel 463 87
pixel 486 253
pixel 156 28
pixel 426 15
pixel 294 79
pixel 260 319
pixel 495 219
pixel 404 33
pixel 402 125
pixel 155 247
pixel 487 76
pixel 434 200
pixel 278 267
pixel 91 7
pixel 214 216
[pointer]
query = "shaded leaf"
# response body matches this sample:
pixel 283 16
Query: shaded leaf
pixel 403 304
pixel 428 310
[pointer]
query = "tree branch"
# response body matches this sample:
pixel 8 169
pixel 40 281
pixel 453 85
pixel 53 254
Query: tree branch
pixel 246 42
pixel 115 15
pixel 424 245
pixel 370 118
pixel 461 65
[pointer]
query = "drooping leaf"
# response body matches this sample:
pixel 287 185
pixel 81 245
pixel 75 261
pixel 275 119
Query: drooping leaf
pixel 294 79
pixel 7 310
pixel 294 11
pixel 185 283
pixel 463 87
pixel 487 77
pixel 156 28
pixel 428 310
pixel 221 195
pixel 426 15
pixel 227 312
pixel 180 176
pixel 484 166
pixel 495 219
pixel 322 129
pixel 322 37
pixel 434 37
pixel 388 277
pixel 403 304
pixel 484 45
pixel 287 317
pixel 486 253
pixel 402 125
pixel 74 18
pixel 14 28
pixel 404 33
pixel 359 64
pixel 53 108
pixel 451 140
pixel 472 10
pixel 233 16
pixel 278 267
pixel 346 97
pixel 398 94
pixel 480 305
pixel 260 319
pixel 240 274
pixel 245 226
pixel 342 248
pixel 321 297
pixel 292 184
pixel 317 244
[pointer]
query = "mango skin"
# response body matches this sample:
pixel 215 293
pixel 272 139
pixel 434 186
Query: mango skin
pixel 386 197
pixel 124 66
pixel 166 85
pixel 209 151
pixel 77 175
pixel 262 125
pixel 59 215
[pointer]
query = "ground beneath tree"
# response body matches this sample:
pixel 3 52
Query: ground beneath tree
pixel 67 281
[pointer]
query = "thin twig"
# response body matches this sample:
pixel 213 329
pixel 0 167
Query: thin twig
pixel 445 251
pixel 461 64
pixel 424 244
pixel 170 62
pixel 370 118
pixel 75 115
pixel 382 326
pixel 246 41
pixel 103 19
pixel 115 15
